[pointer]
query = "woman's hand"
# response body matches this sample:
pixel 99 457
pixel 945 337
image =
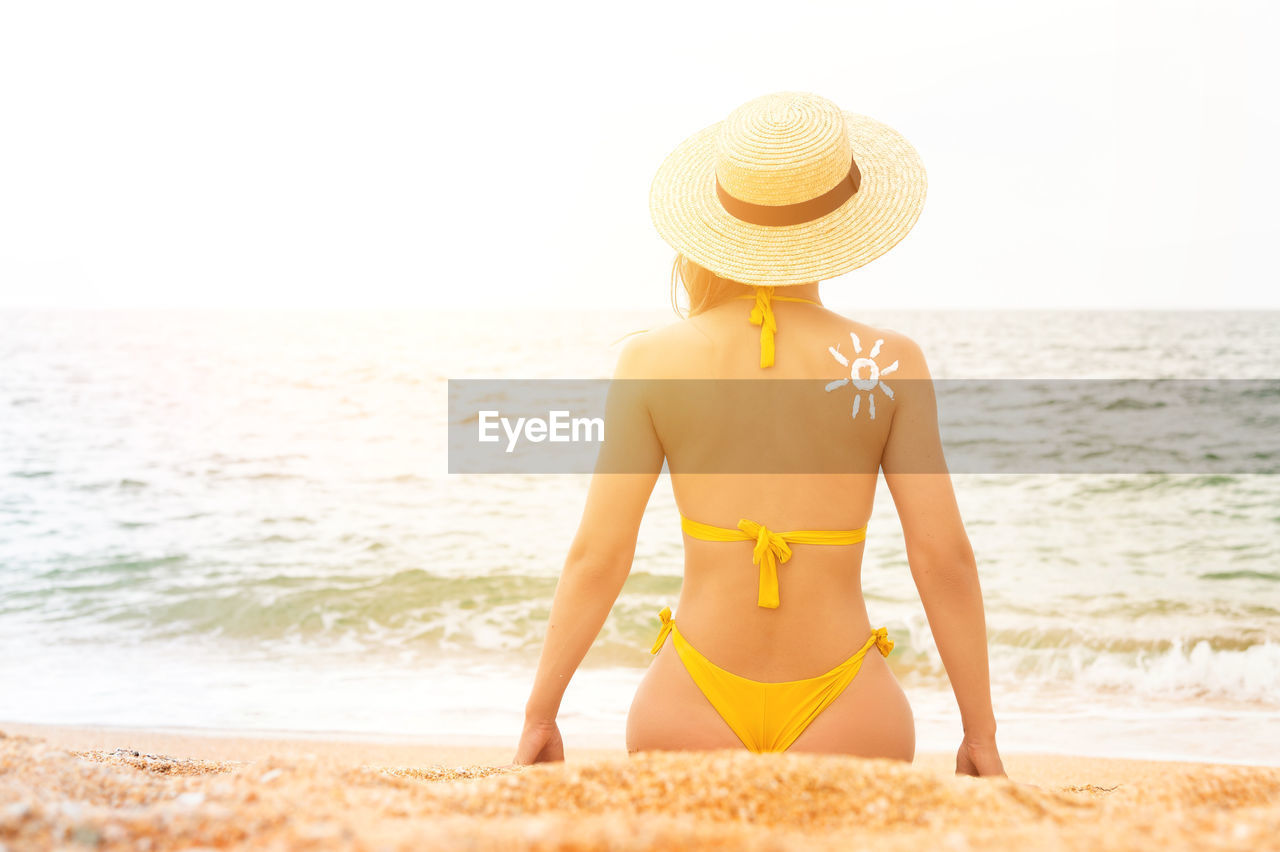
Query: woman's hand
pixel 978 757
pixel 539 743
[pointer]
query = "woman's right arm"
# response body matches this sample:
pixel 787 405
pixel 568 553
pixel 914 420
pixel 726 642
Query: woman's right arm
pixel 940 556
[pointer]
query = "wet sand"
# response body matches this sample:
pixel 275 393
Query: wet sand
pixel 110 788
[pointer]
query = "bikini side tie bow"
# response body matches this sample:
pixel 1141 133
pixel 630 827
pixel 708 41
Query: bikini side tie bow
pixel 883 642
pixel 667 623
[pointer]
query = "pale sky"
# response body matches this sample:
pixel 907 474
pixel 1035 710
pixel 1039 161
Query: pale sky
pixel 377 154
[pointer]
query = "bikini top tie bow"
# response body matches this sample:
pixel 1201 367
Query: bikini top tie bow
pixel 771 548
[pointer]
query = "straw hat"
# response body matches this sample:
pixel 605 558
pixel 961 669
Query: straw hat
pixel 788 189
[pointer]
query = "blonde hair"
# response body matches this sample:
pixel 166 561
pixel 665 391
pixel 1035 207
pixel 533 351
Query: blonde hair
pixel 704 288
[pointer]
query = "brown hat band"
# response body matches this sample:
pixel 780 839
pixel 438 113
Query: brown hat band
pixel 792 214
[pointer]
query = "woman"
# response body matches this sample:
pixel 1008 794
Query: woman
pixel 773 649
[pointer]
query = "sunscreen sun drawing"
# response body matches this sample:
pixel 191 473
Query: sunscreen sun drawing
pixel 870 382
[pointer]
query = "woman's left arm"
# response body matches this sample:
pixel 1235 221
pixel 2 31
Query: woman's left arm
pixel 600 556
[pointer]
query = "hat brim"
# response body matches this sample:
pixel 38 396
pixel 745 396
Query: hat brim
pixel 688 215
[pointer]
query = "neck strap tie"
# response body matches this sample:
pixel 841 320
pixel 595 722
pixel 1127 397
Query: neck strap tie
pixel 762 315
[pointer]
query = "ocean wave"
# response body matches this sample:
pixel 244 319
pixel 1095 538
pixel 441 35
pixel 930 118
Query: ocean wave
pixel 500 619
pixel 1190 670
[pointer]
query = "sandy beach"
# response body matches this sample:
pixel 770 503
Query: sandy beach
pixel 113 788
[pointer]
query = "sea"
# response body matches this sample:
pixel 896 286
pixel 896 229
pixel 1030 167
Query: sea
pixel 243 522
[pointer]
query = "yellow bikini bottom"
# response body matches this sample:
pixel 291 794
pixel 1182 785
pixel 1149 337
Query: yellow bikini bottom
pixel 766 716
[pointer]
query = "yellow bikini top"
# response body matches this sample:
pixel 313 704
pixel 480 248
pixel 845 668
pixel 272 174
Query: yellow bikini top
pixel 762 315
pixel 771 547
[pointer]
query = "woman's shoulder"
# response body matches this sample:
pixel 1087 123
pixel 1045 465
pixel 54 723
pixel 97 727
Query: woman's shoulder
pixel 652 352
pixel 885 346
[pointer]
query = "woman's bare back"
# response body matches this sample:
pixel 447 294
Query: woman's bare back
pixel 779 448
